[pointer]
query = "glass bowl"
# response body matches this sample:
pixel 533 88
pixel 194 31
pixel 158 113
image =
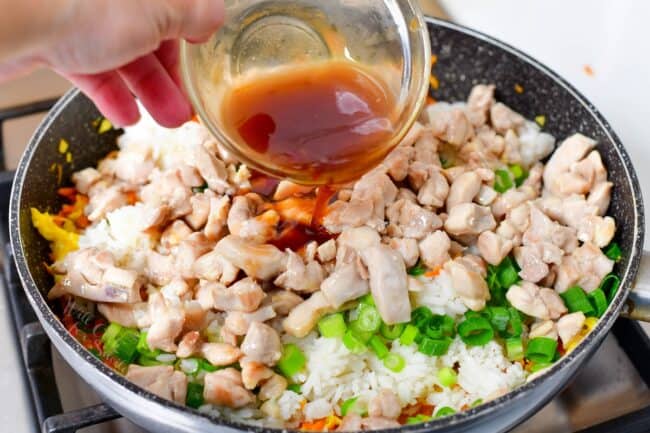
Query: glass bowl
pixel 388 38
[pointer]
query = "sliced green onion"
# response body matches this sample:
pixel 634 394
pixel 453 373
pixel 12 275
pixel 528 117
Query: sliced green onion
pixel 477 402
pixel 613 252
pixel 204 365
pixel 95 353
pixel 499 317
pixel 439 326
pixel 295 388
pixel 475 331
pixel 541 349
pixel 519 174
pixel 364 336
pixel 353 343
pixel 418 419
pixel 538 366
pixel 508 272
pixel 503 181
pixel 145 361
pixel 408 336
pixel 347 405
pixel 434 347
pixel 124 346
pixel 598 301
pixel 292 360
pixel 166 358
pixel 194 397
pixel 144 349
pixel 609 286
pixel 575 300
pixel 332 326
pixel 391 332
pixel 417 270
pixel 515 325
pixel 189 366
pixel 369 319
pixel 445 411
pixel 378 346
pixel 111 332
pixel 515 348
pixel 447 377
pixel 367 300
pixel 420 317
pixel 394 362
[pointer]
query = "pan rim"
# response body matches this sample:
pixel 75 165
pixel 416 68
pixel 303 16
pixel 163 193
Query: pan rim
pixel 46 315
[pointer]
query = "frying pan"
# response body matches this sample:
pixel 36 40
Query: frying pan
pixel 465 58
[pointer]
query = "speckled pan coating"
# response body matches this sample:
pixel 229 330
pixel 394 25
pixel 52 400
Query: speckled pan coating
pixel 465 58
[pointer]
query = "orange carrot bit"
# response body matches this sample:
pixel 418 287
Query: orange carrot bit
pixel 82 221
pixel 69 193
pixel 317 425
pixel 519 89
pixel 195 118
pixel 589 70
pixel 434 272
pixel 433 81
pixel 434 60
pixel 131 197
pixel 430 100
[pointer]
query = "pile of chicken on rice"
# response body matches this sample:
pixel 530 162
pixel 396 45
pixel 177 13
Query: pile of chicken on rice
pixel 447 276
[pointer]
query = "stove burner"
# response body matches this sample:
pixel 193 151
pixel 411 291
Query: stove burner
pixel 36 350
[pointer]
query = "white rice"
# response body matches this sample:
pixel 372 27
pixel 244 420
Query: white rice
pixel 439 295
pixel 121 233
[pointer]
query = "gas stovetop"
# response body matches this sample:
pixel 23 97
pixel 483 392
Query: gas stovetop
pixel 610 394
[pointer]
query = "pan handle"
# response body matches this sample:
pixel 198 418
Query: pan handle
pixel 637 306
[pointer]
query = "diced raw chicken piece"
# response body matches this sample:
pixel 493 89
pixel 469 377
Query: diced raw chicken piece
pixel 388 283
pixel 189 345
pixel 469 219
pixel 286 189
pixel 408 249
pixel 468 283
pixel 585 267
pixel 600 196
pixel 434 191
pixel 560 179
pixel 262 262
pixel 283 301
pixel 262 344
pixel 167 323
pixel 189 251
pixel 200 209
pixel 225 388
pixel 385 404
pixel 217 217
pixel 569 326
pixel 503 118
pixel 127 315
pixel 434 249
pixel 451 126
pixel 238 323
pixel 161 380
pixel 174 234
pixel 540 303
pixel 327 251
pixel 546 328
pixel 302 319
pixel 273 388
pixel 168 188
pixel 300 277
pixel 411 220
pixel 378 423
pixel 481 98
pixel 493 247
pixel 343 285
pixel 397 162
pixel 252 373
pixel 244 222
pixel 245 295
pixel 105 201
pixel 464 189
pixel 212 169
pixel 220 354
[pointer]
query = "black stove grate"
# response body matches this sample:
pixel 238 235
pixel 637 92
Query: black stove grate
pixel 36 351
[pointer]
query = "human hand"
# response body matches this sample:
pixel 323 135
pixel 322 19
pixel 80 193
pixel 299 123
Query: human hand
pixel 114 50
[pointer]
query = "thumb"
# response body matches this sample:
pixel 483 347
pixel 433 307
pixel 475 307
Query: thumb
pixel 194 20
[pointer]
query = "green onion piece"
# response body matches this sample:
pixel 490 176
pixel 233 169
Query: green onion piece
pixel 369 319
pixel 204 365
pixel 394 362
pixel 475 331
pixel 332 326
pixel 391 332
pixel 292 360
pixel 508 272
pixel 111 332
pixel 420 317
pixel 447 377
pixel 418 419
pixel 598 301
pixel 417 270
pixel 497 292
pixel 353 342
pixel 434 347
pixel 613 252
pixel 378 346
pixel 200 189
pixel 538 366
pixel 408 336
pixel 146 361
pixel 503 181
pixel 477 402
pixel 347 405
pixel 499 317
pixel 125 345
pixel 95 353
pixel 364 336
pixel 515 326
pixel 609 286
pixel 445 411
pixel 541 349
pixel 515 348
pixel 367 300
pixel 575 300
pixel 519 174
pixel 144 349
pixel 194 397
pixel 439 326
pixel 295 388
pixel 189 366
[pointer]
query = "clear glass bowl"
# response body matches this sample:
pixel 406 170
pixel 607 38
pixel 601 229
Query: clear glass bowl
pixel 387 37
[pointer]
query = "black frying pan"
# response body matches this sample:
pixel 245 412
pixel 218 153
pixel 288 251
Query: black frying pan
pixel 465 58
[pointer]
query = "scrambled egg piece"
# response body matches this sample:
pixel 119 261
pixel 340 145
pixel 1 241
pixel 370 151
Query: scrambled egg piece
pixel 63 240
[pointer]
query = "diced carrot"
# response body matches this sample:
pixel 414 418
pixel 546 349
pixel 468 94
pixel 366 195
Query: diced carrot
pixel 68 192
pixel 317 425
pixel 434 60
pixel 131 197
pixel 433 81
pixel 519 89
pixel 434 272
